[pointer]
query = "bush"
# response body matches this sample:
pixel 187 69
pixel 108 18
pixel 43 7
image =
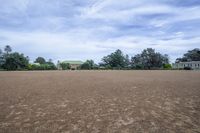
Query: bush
pixel 41 67
pixel 167 66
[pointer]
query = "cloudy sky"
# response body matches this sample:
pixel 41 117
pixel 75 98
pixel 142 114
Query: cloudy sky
pixel 90 29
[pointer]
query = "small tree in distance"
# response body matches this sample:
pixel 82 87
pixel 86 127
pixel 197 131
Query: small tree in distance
pixel 40 60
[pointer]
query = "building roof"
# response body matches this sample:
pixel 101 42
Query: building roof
pixel 188 62
pixel 73 62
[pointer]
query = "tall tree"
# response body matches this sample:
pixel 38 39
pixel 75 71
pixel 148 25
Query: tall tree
pixel 40 60
pixel 191 55
pixel 91 64
pixel 115 60
pixel 149 59
pixel 7 49
pixel 15 61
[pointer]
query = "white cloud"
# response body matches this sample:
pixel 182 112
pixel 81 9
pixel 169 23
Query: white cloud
pixel 106 11
pixel 66 29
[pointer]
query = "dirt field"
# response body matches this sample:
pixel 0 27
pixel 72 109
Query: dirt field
pixel 100 101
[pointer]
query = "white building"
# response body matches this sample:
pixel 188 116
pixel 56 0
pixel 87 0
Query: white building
pixel 192 64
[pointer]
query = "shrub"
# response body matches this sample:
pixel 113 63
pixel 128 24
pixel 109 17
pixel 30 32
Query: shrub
pixel 167 66
pixel 41 67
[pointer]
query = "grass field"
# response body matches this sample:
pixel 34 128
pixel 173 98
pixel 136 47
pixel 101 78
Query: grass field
pixel 100 101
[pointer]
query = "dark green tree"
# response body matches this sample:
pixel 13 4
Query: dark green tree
pixel 88 65
pixel 149 59
pixel 85 66
pixel 191 55
pixel 115 60
pixel 15 61
pixel 91 63
pixel 40 60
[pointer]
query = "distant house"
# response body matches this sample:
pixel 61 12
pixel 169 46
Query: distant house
pixel 73 64
pixel 192 64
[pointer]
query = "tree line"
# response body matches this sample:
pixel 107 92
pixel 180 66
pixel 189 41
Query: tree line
pixel 147 59
pixel 17 61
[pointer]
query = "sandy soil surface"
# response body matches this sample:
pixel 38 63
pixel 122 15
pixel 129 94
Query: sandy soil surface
pixel 100 102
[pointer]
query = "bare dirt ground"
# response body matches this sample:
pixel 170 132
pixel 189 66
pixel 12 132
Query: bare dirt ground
pixel 100 101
